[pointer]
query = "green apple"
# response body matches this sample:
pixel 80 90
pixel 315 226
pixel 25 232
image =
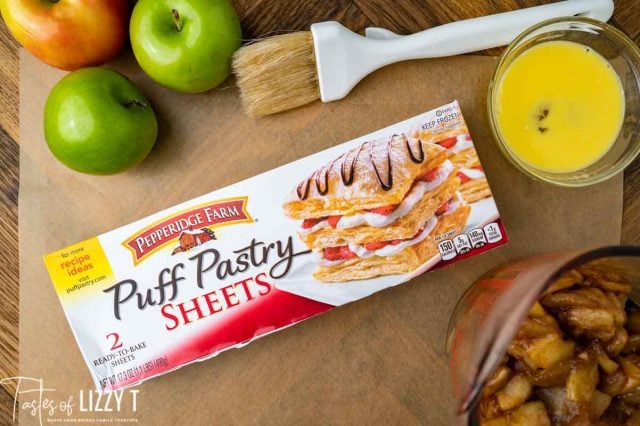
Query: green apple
pixel 97 121
pixel 185 45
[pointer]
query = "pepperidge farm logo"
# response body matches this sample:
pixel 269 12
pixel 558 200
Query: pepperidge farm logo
pixel 187 229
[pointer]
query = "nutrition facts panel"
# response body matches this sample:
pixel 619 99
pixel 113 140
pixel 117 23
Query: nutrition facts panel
pixel 466 242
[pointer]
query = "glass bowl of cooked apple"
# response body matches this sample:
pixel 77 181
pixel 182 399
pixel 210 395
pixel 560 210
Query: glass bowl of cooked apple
pixel 550 340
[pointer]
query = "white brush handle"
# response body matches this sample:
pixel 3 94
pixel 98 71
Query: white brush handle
pixel 344 58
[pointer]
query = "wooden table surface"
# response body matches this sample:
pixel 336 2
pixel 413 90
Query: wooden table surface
pixel 259 18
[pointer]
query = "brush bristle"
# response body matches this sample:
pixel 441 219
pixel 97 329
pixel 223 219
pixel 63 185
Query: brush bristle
pixel 277 73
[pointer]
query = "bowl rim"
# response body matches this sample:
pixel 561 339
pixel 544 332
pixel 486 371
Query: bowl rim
pixel 492 92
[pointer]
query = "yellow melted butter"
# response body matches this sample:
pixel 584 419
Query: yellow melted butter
pixel 560 106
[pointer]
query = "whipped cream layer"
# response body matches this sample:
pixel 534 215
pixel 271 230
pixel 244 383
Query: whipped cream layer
pixel 454 203
pixel 388 250
pixel 319 258
pixel 391 249
pixel 412 198
pixel 463 142
pixel 472 173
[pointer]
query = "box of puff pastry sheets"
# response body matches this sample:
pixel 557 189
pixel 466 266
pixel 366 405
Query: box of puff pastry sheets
pixel 223 269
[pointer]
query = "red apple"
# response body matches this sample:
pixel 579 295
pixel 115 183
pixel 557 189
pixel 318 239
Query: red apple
pixel 68 34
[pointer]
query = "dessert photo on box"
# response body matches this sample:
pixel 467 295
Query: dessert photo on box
pixel 462 153
pixel 385 206
pixel 365 218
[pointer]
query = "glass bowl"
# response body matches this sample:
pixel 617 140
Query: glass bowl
pixel 623 55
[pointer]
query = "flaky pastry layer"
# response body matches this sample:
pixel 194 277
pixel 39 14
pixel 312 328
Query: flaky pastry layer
pixel 465 159
pixel 475 190
pixel 404 227
pixel 403 262
pixel 365 190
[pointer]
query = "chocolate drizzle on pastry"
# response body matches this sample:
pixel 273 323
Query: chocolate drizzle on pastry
pixel 389 183
pixel 417 160
pixel 326 184
pixel 347 180
pixel 303 194
pixel 348 168
pixel 326 179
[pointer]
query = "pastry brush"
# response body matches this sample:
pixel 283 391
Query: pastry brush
pixel 286 71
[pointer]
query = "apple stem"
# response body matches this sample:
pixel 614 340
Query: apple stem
pixel 176 20
pixel 136 103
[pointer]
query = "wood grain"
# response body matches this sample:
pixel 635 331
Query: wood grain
pixel 9 93
pixel 259 18
pixel 8 267
pixel 9 103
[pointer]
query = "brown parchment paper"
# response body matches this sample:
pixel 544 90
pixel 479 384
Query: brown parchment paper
pixel 378 360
